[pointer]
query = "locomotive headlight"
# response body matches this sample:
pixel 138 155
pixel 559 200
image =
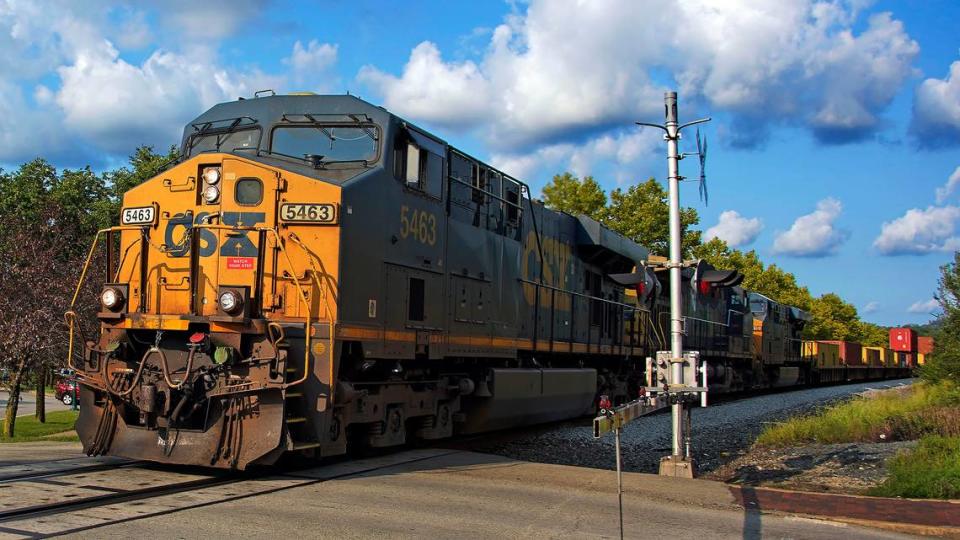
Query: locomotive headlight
pixel 211 175
pixel 211 194
pixel 111 298
pixel 230 302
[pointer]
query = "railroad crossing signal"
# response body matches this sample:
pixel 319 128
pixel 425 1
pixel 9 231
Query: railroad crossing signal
pixel 614 419
pixel 659 393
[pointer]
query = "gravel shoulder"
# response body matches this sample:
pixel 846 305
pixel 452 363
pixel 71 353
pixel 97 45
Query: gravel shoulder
pixel 722 433
pixel 850 468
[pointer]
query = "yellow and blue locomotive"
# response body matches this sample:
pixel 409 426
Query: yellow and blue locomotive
pixel 315 272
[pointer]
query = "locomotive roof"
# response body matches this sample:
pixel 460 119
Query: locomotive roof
pixel 270 110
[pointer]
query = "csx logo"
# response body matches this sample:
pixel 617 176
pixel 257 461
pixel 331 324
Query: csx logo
pixel 177 234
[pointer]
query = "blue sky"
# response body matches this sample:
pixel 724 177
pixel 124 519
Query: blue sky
pixel 835 122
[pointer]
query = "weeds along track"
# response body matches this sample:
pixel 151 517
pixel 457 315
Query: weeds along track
pixel 42 506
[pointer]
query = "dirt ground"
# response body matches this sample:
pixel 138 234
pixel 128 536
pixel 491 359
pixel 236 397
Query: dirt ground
pixel 849 468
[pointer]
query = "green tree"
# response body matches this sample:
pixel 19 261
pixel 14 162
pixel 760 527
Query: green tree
pixel 144 165
pixel 770 281
pixel 47 222
pixel 642 214
pixel 833 319
pixel 944 363
pixel 874 335
pixel 24 193
pixel 569 194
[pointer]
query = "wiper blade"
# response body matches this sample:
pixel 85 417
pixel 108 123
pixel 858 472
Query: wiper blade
pixel 226 124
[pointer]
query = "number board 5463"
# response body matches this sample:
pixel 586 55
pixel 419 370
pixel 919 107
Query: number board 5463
pixel 305 213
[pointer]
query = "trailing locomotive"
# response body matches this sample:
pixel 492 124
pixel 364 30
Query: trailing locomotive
pixel 316 272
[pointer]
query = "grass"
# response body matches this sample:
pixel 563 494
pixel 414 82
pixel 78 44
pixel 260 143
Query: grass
pixel 58 427
pixel 931 471
pixel 909 414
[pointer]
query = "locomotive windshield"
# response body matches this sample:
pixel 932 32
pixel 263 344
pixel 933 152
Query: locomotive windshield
pixel 332 143
pixel 248 139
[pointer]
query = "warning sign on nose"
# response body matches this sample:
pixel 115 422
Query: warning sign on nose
pixel 240 263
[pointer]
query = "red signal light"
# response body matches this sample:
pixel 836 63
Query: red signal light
pixel 641 288
pixel 197 337
pixel 703 287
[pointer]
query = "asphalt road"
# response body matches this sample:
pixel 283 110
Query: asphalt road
pixel 28 403
pixel 448 494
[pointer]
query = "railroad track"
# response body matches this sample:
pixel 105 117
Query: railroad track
pixel 93 499
pixel 59 467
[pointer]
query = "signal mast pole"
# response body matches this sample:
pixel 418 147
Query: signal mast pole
pixel 679 463
pixel 676 263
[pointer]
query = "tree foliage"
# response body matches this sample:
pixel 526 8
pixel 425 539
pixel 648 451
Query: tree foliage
pixel 831 316
pixel 569 194
pixel 944 363
pixel 48 218
pixel 641 213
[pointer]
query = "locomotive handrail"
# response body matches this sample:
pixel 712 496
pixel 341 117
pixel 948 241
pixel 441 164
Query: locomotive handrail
pixel 303 295
pixel 70 316
pixel 332 335
pixel 582 295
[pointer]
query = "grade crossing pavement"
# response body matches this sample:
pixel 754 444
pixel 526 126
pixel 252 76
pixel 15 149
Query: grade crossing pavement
pixel 460 494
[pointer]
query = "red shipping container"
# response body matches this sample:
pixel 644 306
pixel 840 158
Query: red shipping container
pixel 850 354
pixel 924 344
pixel 903 339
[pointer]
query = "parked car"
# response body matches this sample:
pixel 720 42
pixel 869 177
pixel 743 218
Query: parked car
pixel 66 390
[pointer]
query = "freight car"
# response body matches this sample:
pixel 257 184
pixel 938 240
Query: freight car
pixel 316 273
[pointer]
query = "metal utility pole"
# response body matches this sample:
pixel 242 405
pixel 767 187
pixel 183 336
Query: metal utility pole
pixel 679 463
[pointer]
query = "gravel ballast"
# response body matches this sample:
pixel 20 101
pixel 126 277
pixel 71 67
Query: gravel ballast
pixel 721 432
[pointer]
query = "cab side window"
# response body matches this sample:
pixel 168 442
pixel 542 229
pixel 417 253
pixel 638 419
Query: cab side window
pixel 418 163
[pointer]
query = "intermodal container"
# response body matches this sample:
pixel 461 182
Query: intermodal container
pixel 903 339
pixel 850 354
pixel 900 359
pixel 889 357
pixel 921 359
pixel 822 353
pixel 924 344
pixel 871 356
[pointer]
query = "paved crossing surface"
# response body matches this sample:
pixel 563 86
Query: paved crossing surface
pixel 438 494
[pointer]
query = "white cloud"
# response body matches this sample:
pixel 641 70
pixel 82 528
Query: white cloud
pixel 944 192
pixel 134 31
pixel 311 65
pixel 621 148
pixel 920 231
pixel 814 234
pixel 547 76
pixel 431 90
pixel 936 110
pixel 104 96
pixel 734 229
pixel 209 20
pixel 871 307
pixel 113 102
pixel 924 306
